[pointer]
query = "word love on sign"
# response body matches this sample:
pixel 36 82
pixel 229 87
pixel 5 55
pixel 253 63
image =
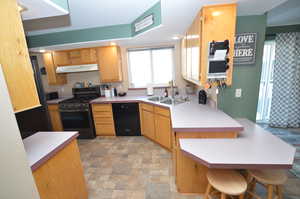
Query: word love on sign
pixel 244 48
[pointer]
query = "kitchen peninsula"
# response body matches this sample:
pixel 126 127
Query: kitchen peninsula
pixel 193 129
pixel 56 166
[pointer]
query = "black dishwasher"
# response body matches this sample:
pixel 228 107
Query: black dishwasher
pixel 127 119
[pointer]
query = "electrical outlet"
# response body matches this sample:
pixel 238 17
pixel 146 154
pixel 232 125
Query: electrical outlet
pixel 238 92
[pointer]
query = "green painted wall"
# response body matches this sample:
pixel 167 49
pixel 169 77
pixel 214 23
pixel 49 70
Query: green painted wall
pixel 94 34
pixel 62 3
pixel 84 35
pixel 156 11
pixel 246 77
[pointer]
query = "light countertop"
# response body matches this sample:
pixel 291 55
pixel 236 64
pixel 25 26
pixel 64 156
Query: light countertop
pixel 56 101
pixel 187 117
pixel 254 148
pixel 41 146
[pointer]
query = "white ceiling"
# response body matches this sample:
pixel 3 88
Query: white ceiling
pixel 36 9
pixel 176 17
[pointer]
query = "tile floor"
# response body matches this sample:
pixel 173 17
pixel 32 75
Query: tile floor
pixel 136 168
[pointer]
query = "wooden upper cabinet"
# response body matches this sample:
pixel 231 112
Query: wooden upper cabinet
pixel 208 26
pixel 75 57
pixel 88 56
pixel 109 61
pixel 61 58
pixel 214 28
pixel 183 57
pixel 14 59
pixel 52 76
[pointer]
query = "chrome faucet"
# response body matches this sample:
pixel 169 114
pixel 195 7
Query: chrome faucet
pixel 172 89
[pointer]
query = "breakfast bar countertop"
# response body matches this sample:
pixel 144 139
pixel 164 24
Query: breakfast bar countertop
pixel 255 148
pixel 41 146
pixel 188 116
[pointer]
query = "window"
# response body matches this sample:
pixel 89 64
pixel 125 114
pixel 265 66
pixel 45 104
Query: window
pixel 150 66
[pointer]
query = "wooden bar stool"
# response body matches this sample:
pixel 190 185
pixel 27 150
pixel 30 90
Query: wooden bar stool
pixel 227 182
pixel 271 179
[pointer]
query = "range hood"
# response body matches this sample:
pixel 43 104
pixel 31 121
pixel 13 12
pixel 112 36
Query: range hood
pixel 77 68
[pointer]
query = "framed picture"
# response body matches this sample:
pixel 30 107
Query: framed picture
pixel 245 49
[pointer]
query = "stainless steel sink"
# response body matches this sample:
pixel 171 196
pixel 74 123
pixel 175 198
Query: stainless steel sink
pixel 167 100
pixel 154 99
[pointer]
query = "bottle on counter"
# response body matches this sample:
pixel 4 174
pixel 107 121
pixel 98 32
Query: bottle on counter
pixel 166 94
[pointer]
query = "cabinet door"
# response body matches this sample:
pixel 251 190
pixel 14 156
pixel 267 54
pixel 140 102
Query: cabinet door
pixel 74 57
pixel 148 124
pixel 163 130
pixel 195 50
pixel 55 118
pixel 61 58
pixel 189 55
pixel 109 60
pixel 183 57
pixel 88 56
pixel 14 59
pixel 52 76
pixel 214 28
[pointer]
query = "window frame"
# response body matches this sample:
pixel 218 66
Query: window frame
pixel 151 49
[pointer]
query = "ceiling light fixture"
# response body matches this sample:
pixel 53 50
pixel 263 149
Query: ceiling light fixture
pixel 113 43
pixel 42 51
pixel 216 13
pixel 21 8
pixel 175 37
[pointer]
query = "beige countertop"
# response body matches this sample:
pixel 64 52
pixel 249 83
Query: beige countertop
pixel 56 101
pixel 255 148
pixel 41 146
pixel 187 117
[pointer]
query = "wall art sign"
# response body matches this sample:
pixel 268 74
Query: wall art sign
pixel 245 48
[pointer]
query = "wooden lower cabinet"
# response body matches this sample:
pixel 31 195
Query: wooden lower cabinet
pixel 55 117
pixel 148 124
pixel 190 175
pixel 103 119
pixel 163 130
pixel 61 177
pixel 156 124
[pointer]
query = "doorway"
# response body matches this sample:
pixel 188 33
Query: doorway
pixel 266 83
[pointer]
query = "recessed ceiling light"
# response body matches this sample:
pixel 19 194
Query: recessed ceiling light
pixel 113 43
pixel 42 51
pixel 216 13
pixel 21 8
pixel 175 37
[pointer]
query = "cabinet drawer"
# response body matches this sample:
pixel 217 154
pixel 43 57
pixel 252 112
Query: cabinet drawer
pixel 162 111
pixel 147 107
pixel 102 107
pixel 105 129
pixel 103 120
pixel 102 114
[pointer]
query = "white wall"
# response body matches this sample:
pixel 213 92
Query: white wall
pixel 16 179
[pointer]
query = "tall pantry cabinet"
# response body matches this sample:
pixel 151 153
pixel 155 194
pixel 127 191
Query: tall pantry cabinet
pixel 14 59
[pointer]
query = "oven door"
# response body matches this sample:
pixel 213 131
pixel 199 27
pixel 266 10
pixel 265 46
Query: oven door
pixel 78 121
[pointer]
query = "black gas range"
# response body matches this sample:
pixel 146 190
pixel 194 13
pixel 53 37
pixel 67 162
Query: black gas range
pixel 76 114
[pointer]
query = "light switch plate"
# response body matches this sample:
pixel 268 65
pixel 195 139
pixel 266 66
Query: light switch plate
pixel 238 92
